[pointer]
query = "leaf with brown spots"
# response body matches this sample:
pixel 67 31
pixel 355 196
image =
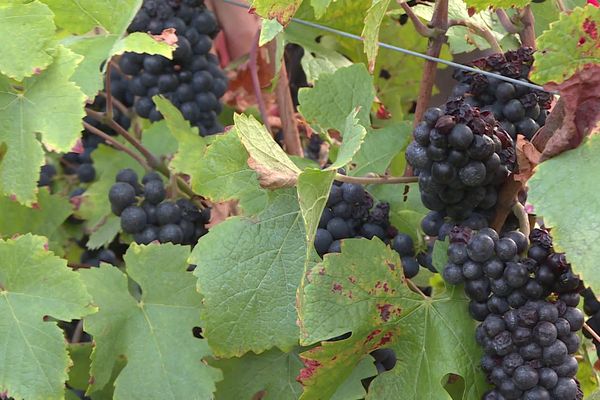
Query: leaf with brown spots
pixel 362 290
pixel 527 158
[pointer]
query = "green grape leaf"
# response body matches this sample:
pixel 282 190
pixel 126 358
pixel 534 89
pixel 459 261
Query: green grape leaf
pixel 154 332
pixel 352 388
pixel 317 58
pixel 336 95
pixel 269 30
pixel 97 49
pixel 111 16
pixel 79 374
pixel 223 174
pixel 105 233
pixel 272 372
pixel 257 312
pixel 362 291
pixel 34 284
pixel 354 135
pixel 274 167
pixel 190 145
pixel 574 229
pixel 47 103
pixel 485 4
pixel 313 190
pixel 570 44
pixel 27 31
pixel 370 32
pixel 44 219
pixel 380 147
pixel 95 207
pixel 281 10
pixel 320 6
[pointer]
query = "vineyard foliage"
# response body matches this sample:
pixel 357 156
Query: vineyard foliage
pixel 251 311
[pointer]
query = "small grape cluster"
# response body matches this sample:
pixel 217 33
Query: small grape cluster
pixel 527 308
pixel 461 157
pixel 591 306
pixel 350 212
pixel 193 81
pixel 47 173
pixel 519 109
pixel 81 163
pixel 155 218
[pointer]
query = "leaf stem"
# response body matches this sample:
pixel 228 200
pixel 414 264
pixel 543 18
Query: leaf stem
pixel 109 97
pixel 523 218
pixel 561 6
pixel 480 31
pixel 591 332
pixel 117 145
pixel 415 288
pixel 420 27
pixel 367 180
pixel 78 332
pixel 116 103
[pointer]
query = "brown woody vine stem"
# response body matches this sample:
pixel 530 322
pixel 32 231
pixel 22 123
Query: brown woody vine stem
pixel 367 180
pixel 116 103
pixel 253 67
pixel 527 35
pixel 420 27
pixel 591 332
pixel 78 332
pixel 107 88
pixel 291 136
pixel 506 21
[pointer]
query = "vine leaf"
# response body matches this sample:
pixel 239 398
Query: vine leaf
pixel 362 291
pixel 569 45
pixel 108 15
pixel 47 103
pixel 36 284
pixel 370 32
pixel 281 10
pixel 154 332
pixel 354 135
pixel 257 312
pixel 336 95
pixel 485 4
pixel 577 111
pixel 222 174
pixel 380 147
pixel 272 372
pixel 97 49
pixel 44 219
pixel 270 28
pixel 267 158
pixel 28 31
pixel 190 146
pixel 313 191
pixel 552 186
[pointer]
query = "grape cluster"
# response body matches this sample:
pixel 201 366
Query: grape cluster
pixel 81 163
pixel 350 212
pixel 527 307
pixel 155 218
pixel 461 157
pixel 591 306
pixel 518 109
pixel 193 81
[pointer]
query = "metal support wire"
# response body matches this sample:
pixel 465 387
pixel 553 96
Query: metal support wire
pixel 409 52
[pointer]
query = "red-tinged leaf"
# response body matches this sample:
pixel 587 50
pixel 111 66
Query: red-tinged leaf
pixel 580 97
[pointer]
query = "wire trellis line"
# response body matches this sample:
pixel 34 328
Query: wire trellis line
pixel 409 52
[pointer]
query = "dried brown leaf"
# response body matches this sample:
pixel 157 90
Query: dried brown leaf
pixel 273 179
